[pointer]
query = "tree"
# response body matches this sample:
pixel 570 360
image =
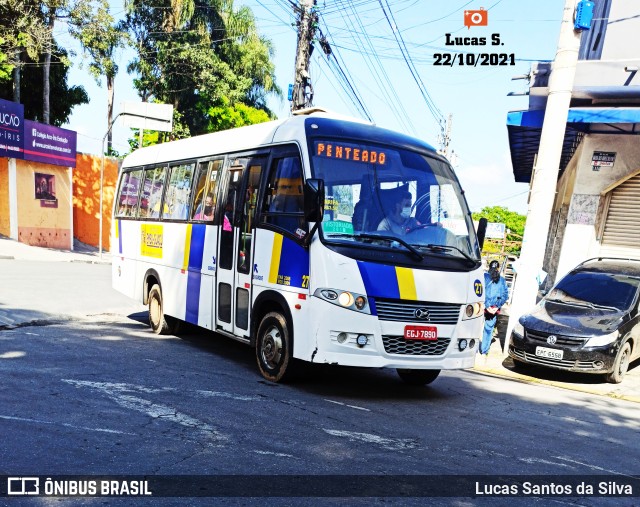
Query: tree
pixel 205 58
pixel 100 39
pixel 22 31
pixel 67 97
pixel 514 222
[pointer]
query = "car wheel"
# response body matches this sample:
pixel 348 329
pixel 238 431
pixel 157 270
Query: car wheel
pixel 274 347
pixel 418 377
pixel 159 322
pixel 620 365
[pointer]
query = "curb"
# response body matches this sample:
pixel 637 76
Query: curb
pixel 533 380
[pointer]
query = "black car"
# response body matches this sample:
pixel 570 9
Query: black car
pixel 589 322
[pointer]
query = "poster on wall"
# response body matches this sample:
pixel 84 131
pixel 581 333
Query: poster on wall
pixel 45 190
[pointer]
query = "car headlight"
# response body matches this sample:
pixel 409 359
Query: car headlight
pixel 344 299
pixel 473 311
pixel 599 341
pixel 518 329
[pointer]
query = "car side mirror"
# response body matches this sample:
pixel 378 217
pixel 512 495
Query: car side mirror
pixel 314 200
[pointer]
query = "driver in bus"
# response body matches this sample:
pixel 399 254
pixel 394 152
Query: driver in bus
pixel 398 219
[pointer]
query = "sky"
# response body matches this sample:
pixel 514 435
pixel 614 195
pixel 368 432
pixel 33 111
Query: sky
pixel 400 90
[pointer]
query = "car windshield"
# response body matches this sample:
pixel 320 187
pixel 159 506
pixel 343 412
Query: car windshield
pixel 615 292
pixel 382 197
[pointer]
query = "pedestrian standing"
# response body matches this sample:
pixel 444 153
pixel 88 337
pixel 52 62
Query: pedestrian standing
pixel 496 295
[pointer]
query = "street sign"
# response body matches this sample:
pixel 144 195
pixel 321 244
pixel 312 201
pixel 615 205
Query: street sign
pixel 147 116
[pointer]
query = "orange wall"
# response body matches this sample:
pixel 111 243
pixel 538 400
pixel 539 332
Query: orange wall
pixel 43 226
pixel 4 197
pixel 86 198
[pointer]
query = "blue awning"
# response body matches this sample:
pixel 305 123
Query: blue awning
pixel 525 127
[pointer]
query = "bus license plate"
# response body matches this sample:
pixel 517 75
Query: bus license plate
pixel 549 353
pixel 421 333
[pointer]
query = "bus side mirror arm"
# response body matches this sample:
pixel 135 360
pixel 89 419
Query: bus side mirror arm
pixel 313 205
pixel 482 231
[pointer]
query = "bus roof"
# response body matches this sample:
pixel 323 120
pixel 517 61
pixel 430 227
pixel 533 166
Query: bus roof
pixel 261 134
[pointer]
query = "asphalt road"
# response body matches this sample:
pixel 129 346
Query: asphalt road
pixel 101 395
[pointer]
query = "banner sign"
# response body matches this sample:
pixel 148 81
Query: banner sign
pixel 11 129
pixel 495 230
pixel 49 144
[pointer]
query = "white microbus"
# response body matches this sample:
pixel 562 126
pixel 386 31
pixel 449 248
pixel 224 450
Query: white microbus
pixel 313 238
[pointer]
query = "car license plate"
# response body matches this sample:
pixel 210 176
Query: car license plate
pixel 549 353
pixel 421 333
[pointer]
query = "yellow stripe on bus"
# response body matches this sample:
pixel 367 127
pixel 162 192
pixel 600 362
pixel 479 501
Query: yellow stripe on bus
pixel 406 284
pixel 117 227
pixel 187 247
pixel 276 251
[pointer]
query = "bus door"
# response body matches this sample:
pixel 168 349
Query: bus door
pixel 235 248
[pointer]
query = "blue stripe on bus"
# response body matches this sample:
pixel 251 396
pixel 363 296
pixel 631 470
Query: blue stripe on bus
pixel 380 280
pixel 294 264
pixel 194 276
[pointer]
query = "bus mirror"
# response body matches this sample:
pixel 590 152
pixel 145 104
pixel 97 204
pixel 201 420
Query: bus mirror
pixel 482 231
pixel 313 200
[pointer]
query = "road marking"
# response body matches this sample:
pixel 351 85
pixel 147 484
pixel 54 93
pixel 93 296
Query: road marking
pixel 279 454
pixel 543 461
pixel 239 397
pixel 66 425
pixel 13 354
pixel 593 467
pixel 393 444
pixel 350 406
pixel 117 392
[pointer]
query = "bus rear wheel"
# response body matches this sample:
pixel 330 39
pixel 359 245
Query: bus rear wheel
pixel 159 322
pixel 418 377
pixel 273 347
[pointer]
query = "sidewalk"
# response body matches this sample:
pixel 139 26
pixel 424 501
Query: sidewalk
pixel 14 250
pixel 496 363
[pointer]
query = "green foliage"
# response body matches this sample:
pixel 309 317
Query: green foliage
pixel 65 97
pixel 513 221
pixel 227 116
pixel 205 58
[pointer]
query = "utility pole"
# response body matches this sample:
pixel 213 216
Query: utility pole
pixel 307 25
pixel 545 171
pixel 445 140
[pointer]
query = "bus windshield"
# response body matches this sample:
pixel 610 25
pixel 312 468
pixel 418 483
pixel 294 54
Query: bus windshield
pixel 392 198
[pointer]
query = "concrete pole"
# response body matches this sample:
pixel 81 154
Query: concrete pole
pixel 545 172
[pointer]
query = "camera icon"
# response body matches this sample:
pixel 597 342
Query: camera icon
pixel 476 18
pixel 23 486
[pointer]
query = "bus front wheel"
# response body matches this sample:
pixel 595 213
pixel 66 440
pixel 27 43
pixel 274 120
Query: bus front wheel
pixel 418 377
pixel 159 322
pixel 273 347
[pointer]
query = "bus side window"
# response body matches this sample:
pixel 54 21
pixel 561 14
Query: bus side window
pixel 283 203
pixel 128 194
pixel 151 198
pixel 206 191
pixel 178 192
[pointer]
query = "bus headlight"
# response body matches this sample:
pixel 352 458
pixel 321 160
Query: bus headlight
pixel 345 299
pixel 473 311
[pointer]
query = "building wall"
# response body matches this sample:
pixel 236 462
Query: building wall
pixel 622 28
pixel 581 239
pixel 4 197
pixel 86 198
pixel 43 226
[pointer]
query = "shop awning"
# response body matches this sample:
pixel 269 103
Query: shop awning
pixel 525 127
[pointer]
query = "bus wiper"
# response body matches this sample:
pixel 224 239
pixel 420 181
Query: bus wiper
pixel 431 246
pixel 374 237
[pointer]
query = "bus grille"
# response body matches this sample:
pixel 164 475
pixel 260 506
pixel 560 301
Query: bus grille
pixel 405 311
pixel 398 345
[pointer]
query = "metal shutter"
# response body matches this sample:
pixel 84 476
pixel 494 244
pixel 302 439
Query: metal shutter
pixel 621 234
